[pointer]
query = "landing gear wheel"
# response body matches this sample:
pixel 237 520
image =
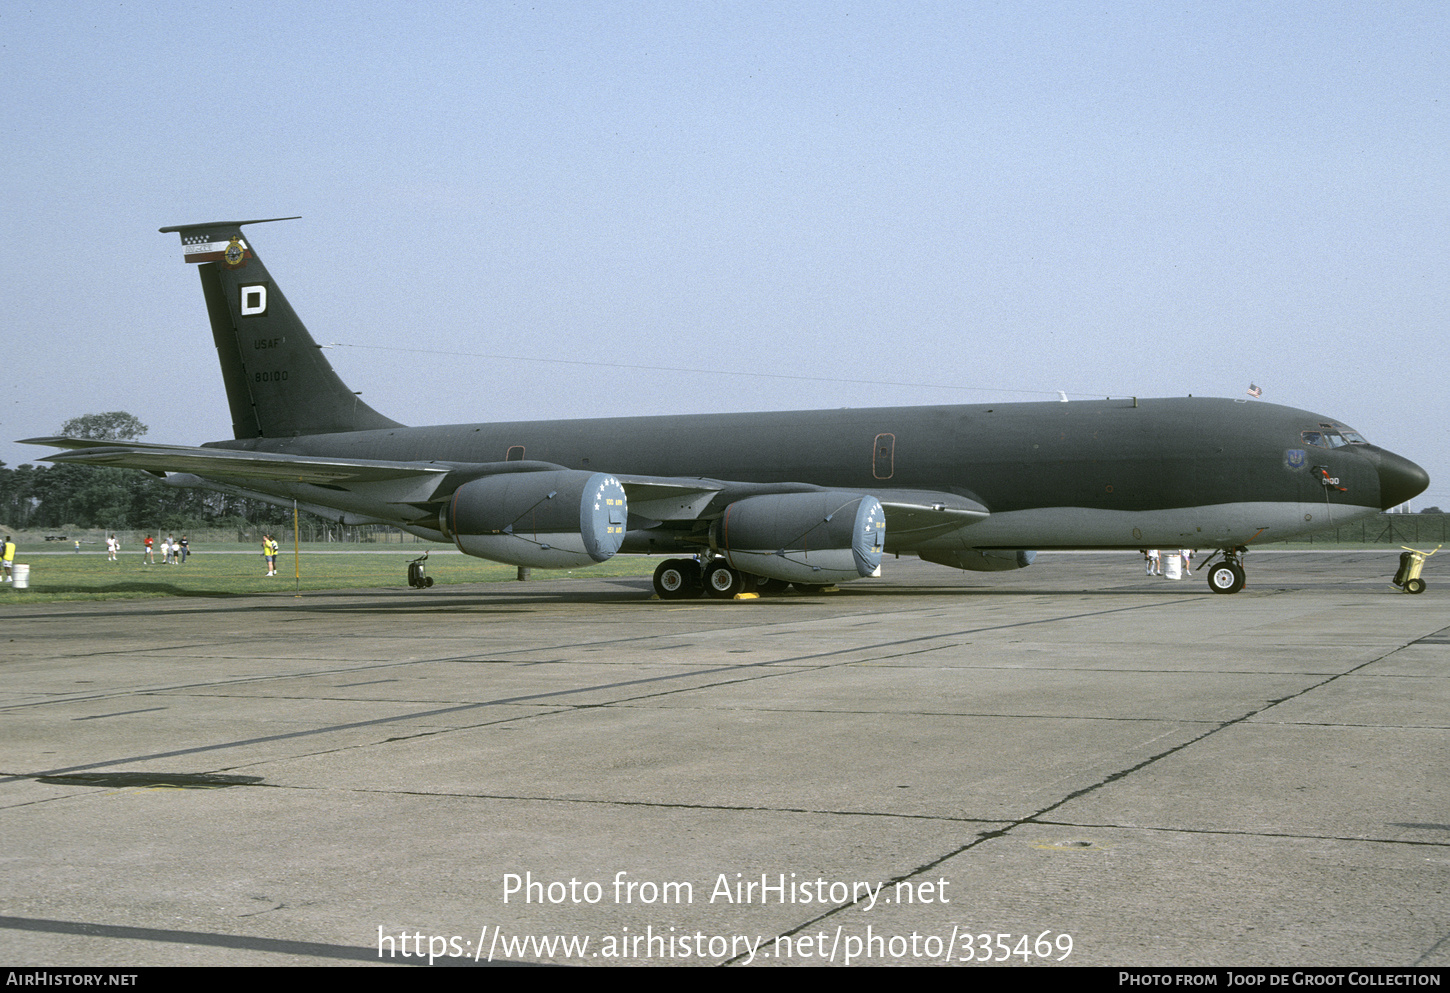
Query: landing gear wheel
pixel 809 589
pixel 1414 586
pixel 677 579
pixel 1226 577
pixel 723 582
pixel 771 587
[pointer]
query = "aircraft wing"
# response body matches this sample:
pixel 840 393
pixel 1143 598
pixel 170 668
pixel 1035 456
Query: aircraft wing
pixel 237 465
pixel 919 514
pixel 689 498
pixel 61 441
pixel 655 497
pixel 665 499
pixel 388 486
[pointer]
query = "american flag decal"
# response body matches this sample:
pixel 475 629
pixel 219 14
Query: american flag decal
pixel 206 246
pixel 1254 391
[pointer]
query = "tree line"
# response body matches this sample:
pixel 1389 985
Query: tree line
pixel 34 498
pixel 39 497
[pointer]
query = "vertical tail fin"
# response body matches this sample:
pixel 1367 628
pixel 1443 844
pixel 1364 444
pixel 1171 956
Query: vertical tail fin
pixel 278 382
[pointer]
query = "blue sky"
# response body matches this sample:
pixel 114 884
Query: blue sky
pixel 970 202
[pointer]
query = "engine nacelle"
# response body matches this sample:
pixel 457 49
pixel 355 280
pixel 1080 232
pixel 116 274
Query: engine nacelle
pixel 979 559
pixel 819 537
pixel 549 520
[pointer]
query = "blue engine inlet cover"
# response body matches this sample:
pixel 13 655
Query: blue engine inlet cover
pixel 559 519
pixel 817 537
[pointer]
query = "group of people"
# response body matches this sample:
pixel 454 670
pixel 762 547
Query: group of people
pixel 1153 559
pixel 173 551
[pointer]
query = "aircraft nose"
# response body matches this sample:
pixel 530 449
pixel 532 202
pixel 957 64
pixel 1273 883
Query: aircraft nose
pixel 1400 479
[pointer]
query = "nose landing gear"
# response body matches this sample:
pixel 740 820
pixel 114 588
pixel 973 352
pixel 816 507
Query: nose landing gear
pixel 1228 576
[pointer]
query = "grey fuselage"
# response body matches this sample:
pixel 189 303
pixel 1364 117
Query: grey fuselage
pixel 1087 474
pixel 1200 473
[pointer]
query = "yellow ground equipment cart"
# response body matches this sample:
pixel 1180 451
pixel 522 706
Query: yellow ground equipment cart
pixel 1411 562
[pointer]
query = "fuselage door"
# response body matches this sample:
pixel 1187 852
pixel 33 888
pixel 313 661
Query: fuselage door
pixel 883 456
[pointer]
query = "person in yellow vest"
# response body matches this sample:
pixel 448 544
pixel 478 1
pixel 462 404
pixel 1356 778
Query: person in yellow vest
pixel 9 560
pixel 269 553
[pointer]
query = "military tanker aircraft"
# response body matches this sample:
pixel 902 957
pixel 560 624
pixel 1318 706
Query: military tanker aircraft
pixel 759 501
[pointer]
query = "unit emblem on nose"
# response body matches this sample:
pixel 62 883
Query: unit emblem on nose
pixel 1295 458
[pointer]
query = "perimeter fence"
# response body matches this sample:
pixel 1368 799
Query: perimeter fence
pixel 1384 529
pixel 90 538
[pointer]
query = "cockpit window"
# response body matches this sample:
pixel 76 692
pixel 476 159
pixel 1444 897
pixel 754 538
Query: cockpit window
pixel 1332 436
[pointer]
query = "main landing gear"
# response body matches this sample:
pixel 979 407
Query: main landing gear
pixel 723 582
pixel 1228 576
pixel 418 577
pixel 678 579
pixel 684 579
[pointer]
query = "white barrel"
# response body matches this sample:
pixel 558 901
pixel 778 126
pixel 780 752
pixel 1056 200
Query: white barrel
pixel 22 576
pixel 1172 565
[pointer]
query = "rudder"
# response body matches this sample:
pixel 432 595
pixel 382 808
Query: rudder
pixel 278 382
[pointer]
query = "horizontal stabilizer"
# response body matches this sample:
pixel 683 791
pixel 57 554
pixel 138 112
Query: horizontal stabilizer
pixel 209 242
